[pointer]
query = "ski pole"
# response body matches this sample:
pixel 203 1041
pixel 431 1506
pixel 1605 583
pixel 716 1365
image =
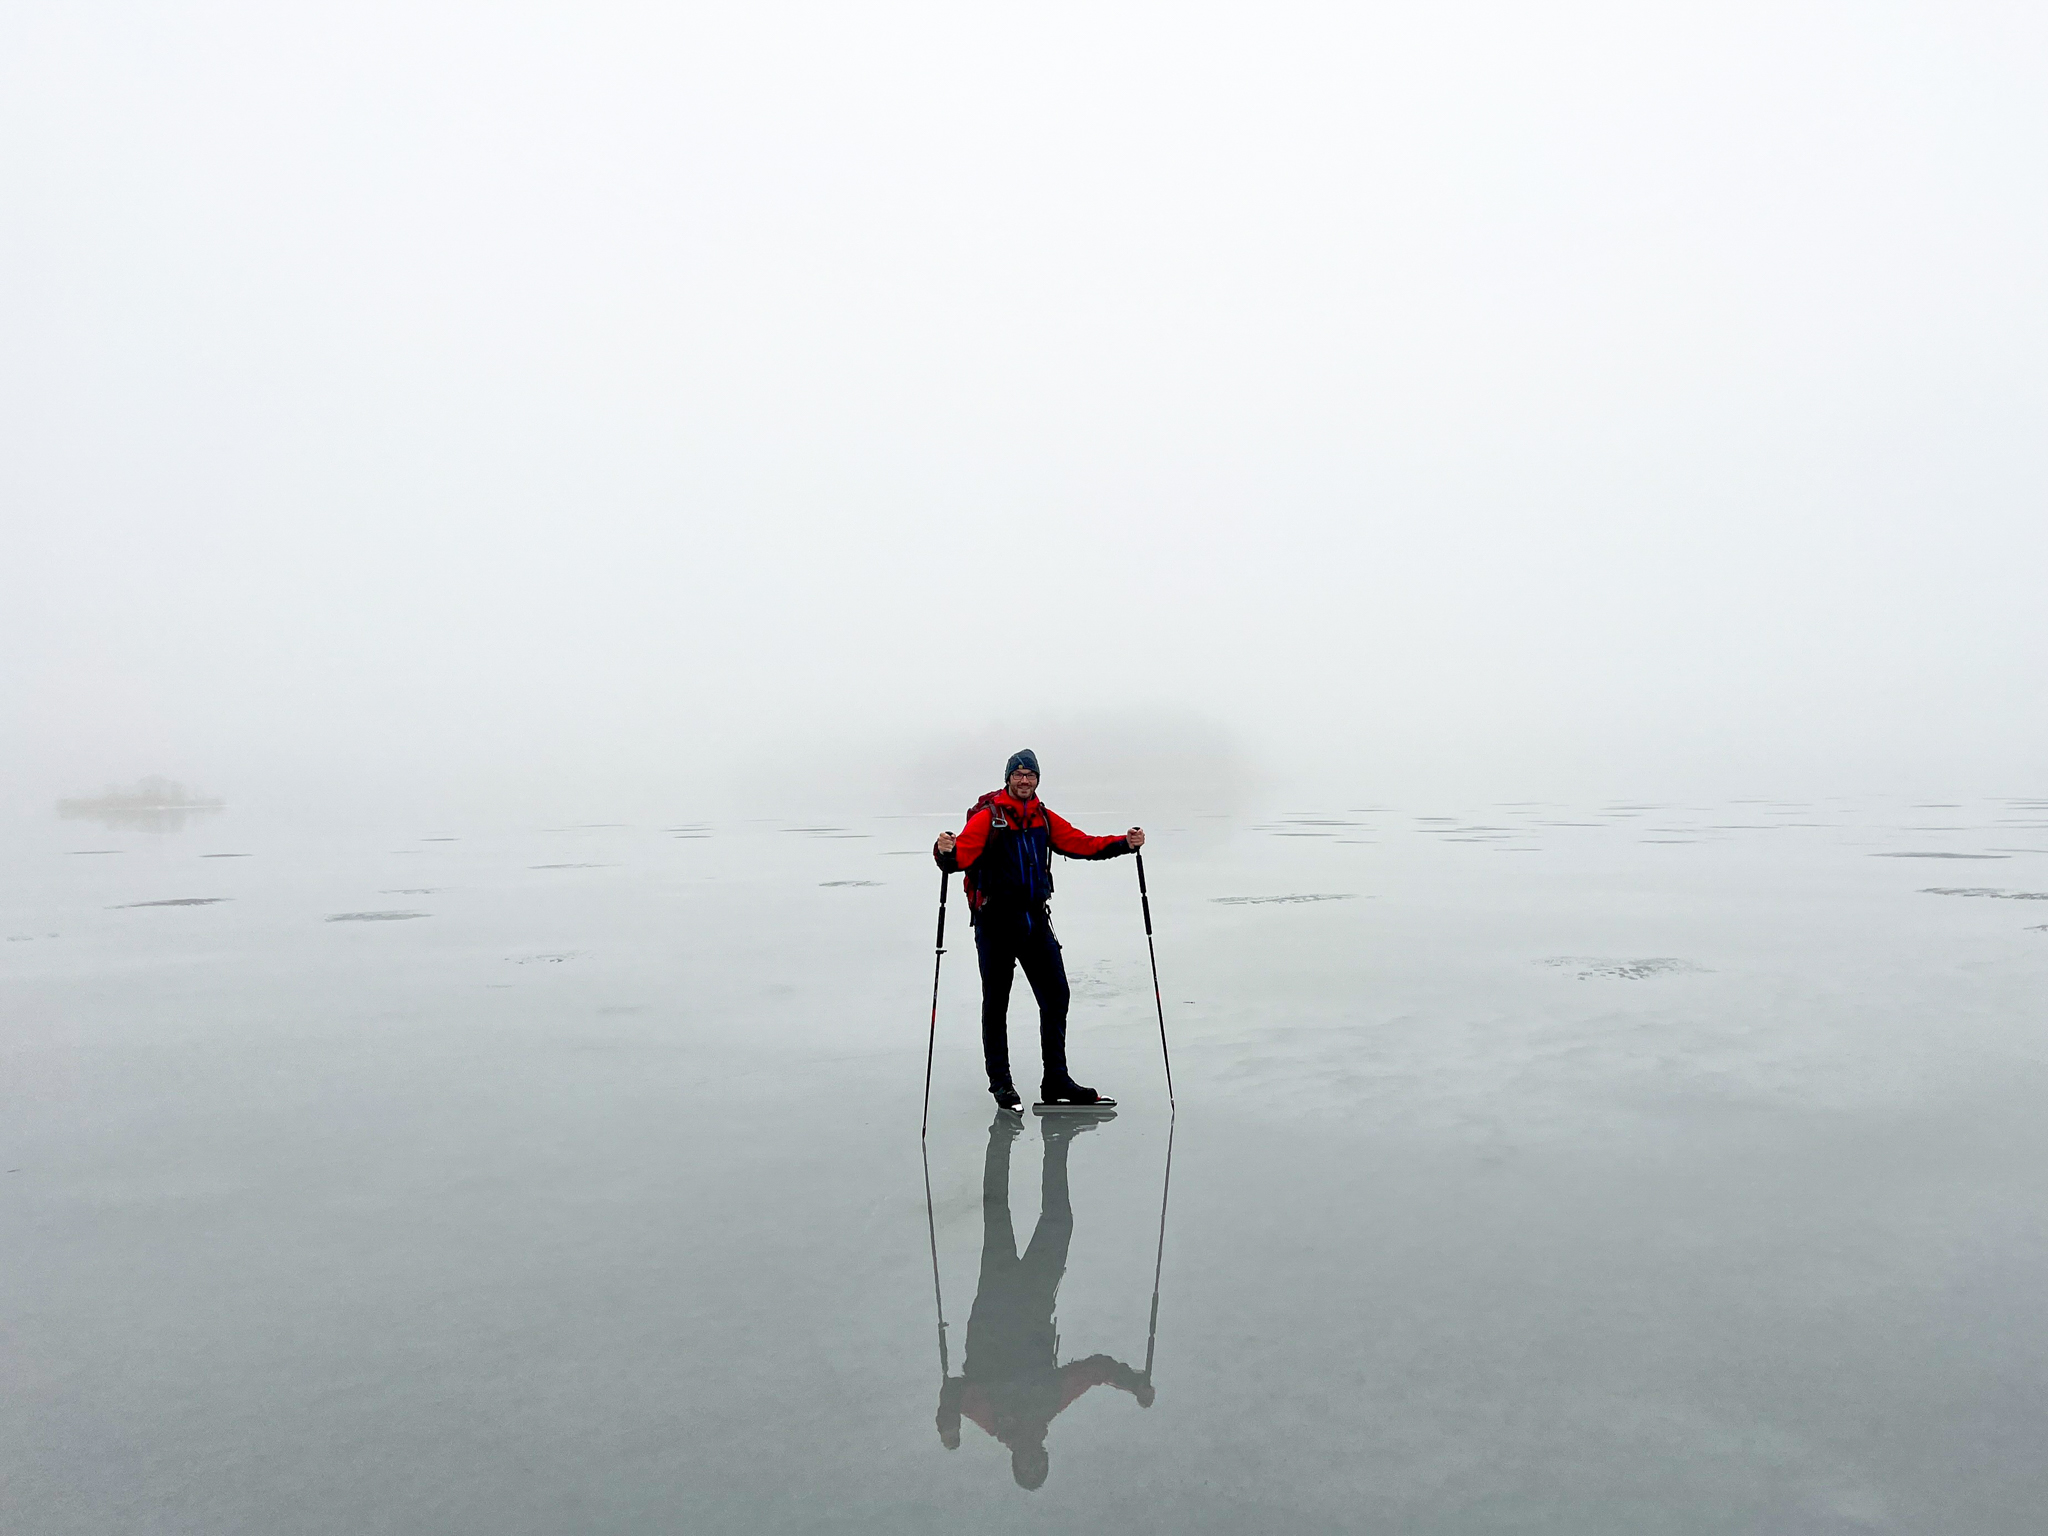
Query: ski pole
pixel 1144 900
pixel 931 1041
pixel 931 1226
pixel 1158 1259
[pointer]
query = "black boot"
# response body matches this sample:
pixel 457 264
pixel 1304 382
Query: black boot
pixel 1005 1095
pixel 1064 1090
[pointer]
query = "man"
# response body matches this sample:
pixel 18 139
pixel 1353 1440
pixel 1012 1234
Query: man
pixel 1006 850
pixel 1011 1382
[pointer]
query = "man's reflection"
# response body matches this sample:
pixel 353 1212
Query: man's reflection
pixel 1011 1382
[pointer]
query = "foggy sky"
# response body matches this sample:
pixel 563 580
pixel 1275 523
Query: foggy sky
pixel 663 401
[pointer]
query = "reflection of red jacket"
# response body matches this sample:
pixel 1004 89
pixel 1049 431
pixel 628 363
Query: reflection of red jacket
pixel 1076 1377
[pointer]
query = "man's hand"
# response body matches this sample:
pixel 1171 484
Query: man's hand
pixel 945 843
pixel 1135 837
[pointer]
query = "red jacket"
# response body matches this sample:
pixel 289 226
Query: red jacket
pixel 1065 837
pixel 1025 872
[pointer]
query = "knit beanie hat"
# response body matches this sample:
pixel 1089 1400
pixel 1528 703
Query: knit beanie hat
pixel 1025 759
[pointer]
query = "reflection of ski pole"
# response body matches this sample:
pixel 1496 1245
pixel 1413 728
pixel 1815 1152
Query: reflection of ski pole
pixel 931 1041
pixel 931 1227
pixel 1145 901
pixel 1158 1260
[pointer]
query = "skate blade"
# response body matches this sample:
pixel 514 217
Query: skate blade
pixel 1105 1109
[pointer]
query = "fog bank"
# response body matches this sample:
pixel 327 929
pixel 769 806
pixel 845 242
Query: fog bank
pixel 650 406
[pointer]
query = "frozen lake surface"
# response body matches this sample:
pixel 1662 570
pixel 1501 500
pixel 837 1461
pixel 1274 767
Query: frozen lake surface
pixel 1538 1168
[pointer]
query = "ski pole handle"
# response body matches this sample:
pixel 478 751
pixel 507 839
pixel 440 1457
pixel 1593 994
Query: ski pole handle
pixel 939 943
pixel 1144 896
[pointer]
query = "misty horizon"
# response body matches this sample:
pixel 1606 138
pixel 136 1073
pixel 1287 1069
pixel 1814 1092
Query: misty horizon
pixel 641 403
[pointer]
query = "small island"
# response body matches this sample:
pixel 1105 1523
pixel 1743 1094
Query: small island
pixel 151 804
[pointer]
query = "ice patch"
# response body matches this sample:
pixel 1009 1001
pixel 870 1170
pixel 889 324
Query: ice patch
pixel 1259 901
pixel 1983 890
pixel 1937 855
pixel 1623 970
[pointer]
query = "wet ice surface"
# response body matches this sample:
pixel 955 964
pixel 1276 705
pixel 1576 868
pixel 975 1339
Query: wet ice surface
pixel 1682 1174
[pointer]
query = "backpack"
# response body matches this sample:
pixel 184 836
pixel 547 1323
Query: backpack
pixel 970 884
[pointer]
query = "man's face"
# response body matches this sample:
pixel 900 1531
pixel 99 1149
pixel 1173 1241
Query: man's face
pixel 1023 784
